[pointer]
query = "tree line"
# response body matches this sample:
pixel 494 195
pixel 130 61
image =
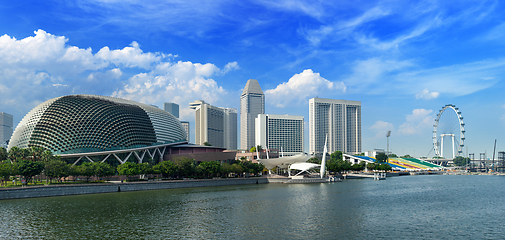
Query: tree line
pixel 34 161
pixel 336 163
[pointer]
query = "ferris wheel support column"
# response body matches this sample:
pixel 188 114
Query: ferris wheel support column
pixel 441 146
pixel 453 153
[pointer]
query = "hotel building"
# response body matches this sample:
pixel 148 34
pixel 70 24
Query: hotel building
pixel 340 119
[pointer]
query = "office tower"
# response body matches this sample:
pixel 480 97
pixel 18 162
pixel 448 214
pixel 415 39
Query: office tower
pixel 5 127
pixel 230 126
pixel 215 125
pixel 185 125
pixel 172 108
pixel 280 131
pixel 340 119
pixel 252 103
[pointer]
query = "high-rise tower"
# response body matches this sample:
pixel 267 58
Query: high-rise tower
pixel 5 127
pixel 215 125
pixel 340 119
pixel 252 103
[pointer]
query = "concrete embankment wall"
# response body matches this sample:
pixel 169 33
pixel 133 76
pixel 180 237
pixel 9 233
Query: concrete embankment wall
pixel 76 189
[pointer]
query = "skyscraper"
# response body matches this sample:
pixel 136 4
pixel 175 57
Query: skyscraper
pixel 340 119
pixel 252 103
pixel 172 108
pixel 5 127
pixel 185 125
pixel 215 125
pixel 280 132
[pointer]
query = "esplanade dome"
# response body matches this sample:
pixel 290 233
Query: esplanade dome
pixel 89 123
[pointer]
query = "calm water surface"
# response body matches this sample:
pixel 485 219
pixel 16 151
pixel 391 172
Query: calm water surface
pixel 441 207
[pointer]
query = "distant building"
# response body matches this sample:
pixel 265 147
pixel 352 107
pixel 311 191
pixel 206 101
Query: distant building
pixel 215 125
pixel 340 119
pixel 230 127
pixel 6 124
pixel 172 108
pixel 282 132
pixel 185 125
pixel 252 103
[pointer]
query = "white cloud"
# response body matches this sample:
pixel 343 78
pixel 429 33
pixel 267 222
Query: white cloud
pixel 418 122
pixel 131 56
pixel 300 86
pixel 427 95
pixel 381 128
pixel 43 66
pixel 230 67
pixel 343 29
pixel 381 75
pixel 181 82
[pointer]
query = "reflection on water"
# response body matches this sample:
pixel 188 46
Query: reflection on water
pixel 401 207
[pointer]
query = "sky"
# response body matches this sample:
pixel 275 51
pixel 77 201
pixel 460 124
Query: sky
pixel 404 60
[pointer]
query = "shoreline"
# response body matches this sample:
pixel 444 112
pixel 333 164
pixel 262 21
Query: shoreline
pixel 94 188
pixel 110 187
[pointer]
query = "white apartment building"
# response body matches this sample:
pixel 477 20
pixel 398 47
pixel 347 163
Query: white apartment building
pixel 252 103
pixel 215 125
pixel 6 124
pixel 280 132
pixel 340 119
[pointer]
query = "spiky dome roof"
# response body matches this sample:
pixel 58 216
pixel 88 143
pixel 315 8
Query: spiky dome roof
pixel 91 123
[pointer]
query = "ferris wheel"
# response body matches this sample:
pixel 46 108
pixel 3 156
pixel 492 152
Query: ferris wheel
pixel 449 125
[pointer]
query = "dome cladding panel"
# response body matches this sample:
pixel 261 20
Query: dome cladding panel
pixel 84 123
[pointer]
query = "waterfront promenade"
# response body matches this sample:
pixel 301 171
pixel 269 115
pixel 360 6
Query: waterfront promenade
pixel 77 189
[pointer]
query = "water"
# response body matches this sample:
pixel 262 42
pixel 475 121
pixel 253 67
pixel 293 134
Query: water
pixel 442 207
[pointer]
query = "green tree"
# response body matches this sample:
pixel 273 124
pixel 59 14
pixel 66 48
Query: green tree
pixel 185 166
pixel 145 168
pixel 337 155
pixel 259 147
pixel 226 169
pixel 87 170
pixel 211 168
pixel 314 160
pixel 166 168
pixel 237 168
pixel 36 153
pixel 104 170
pixel 16 154
pixel 4 155
pixel 56 168
pixel 381 157
pixel 207 144
pixel 358 166
pixel 383 167
pixel 393 155
pixel 128 168
pixel 461 161
pixel 29 169
pixel 7 169
pixel 406 156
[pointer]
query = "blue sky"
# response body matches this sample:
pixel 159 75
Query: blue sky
pixel 403 60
